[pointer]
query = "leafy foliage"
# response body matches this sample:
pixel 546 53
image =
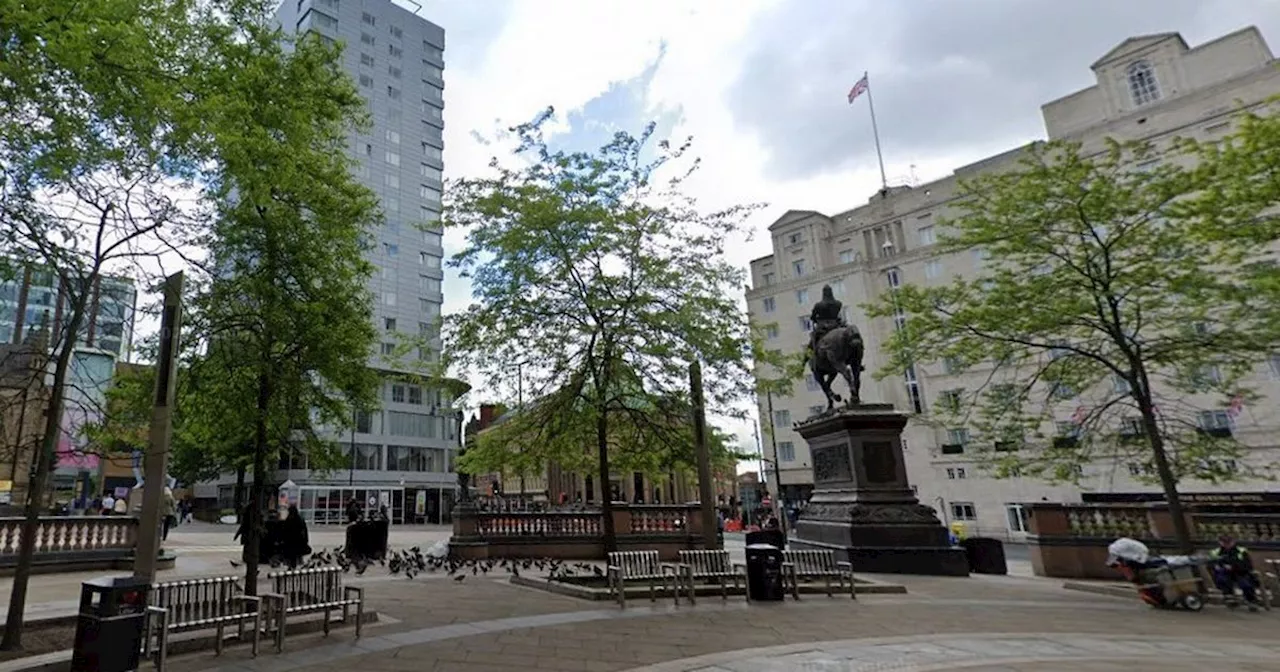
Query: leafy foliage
pixel 1113 309
pixel 597 275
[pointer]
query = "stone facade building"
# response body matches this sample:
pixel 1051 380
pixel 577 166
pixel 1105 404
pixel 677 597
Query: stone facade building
pixel 1151 87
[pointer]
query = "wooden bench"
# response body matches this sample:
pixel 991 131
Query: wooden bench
pixel 307 591
pixel 711 565
pixel 816 564
pixel 644 566
pixel 198 604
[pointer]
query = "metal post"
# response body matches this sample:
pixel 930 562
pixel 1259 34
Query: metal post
pixel 777 473
pixel 351 471
pixel 155 462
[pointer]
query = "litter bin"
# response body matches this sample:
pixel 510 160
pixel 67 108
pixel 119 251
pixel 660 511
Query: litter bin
pixel 986 555
pixel 764 573
pixel 109 629
pixel 772 537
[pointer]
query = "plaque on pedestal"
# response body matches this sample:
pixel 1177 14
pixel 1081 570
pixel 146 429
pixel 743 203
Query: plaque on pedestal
pixel 862 505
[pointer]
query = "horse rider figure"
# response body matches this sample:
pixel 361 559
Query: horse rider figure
pixel 825 317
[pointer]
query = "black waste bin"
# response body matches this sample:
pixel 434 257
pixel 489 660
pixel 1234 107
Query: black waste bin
pixel 986 555
pixel 109 630
pixel 764 573
pixel 772 537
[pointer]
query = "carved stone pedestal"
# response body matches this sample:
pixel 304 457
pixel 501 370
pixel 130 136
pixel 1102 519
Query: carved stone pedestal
pixel 862 505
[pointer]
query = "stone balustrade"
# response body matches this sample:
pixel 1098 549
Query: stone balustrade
pixel 575 535
pixel 69 543
pixel 1070 540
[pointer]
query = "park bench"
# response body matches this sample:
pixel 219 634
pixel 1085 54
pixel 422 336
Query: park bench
pixel 198 604
pixel 816 564
pixel 644 566
pixel 309 591
pixel 711 566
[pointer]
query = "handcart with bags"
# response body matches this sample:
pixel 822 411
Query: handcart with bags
pixel 1164 582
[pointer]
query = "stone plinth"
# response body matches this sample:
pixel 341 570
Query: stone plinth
pixel 862 505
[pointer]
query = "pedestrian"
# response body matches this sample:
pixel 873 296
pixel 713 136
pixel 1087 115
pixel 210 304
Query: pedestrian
pixel 1233 567
pixel 353 510
pixel 169 508
pixel 108 505
pixel 294 542
pixel 242 531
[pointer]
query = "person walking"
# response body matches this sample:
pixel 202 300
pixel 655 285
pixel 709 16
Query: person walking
pixel 169 508
pixel 294 542
pixel 108 505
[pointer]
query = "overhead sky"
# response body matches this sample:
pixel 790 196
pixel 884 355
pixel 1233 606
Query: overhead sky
pixel 761 84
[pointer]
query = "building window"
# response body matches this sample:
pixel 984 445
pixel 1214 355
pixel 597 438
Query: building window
pixel 428 192
pixel 771 331
pixel 364 422
pixel 806 324
pixel 926 236
pixel 895 278
pixel 846 256
pixel 958 436
pixel 797 268
pixel 388 298
pixel 393 137
pixel 956 474
pixel 395 51
pixel 431 152
pixel 393 71
pixel 368 19
pixel 432 51
pixel 1142 83
pixel 392 180
pixel 429 260
pixel 389 323
pixel 950 365
pixel 397 393
pixel 1016 518
pixel 950 400
pixel 1135 469
pixel 393 93
pixel 1211 420
pixel 769 304
pixel 430 172
pixel 795 238
pixel 392 158
pixel 802 296
pixel 786 451
pixel 388 349
pixel 913 390
pixel 368 457
pixel 782 418
pixel 366 59
pixel 396 32
pixel 432 238
pixel 366 38
pixel 428 284
pixel 429 307
pixel 415 395
pixel 366 81
pixel 963 511
pixel 391 249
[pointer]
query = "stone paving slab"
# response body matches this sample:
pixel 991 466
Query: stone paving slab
pixel 1016 620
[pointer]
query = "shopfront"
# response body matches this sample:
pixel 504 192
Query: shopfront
pixel 326 505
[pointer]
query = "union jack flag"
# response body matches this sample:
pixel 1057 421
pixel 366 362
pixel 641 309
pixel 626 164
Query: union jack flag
pixel 858 88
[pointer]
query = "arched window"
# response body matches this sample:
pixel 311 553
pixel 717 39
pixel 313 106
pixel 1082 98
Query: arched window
pixel 1142 83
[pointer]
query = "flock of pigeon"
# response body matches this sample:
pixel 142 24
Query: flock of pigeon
pixel 413 561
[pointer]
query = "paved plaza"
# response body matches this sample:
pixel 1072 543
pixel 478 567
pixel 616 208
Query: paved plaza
pixel 485 624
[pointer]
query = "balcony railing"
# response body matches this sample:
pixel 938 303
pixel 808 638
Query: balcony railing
pixel 70 537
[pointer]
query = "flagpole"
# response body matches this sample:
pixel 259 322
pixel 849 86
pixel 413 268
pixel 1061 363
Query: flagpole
pixel 875 131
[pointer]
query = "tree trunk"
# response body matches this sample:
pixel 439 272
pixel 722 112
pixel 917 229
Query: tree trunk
pixel 238 493
pixel 1168 481
pixel 36 487
pixel 256 499
pixel 606 485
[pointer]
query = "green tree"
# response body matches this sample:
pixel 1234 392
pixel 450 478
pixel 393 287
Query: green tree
pixel 1110 315
pixel 284 327
pixel 95 140
pixel 603 280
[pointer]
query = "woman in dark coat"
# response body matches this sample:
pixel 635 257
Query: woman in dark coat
pixel 294 544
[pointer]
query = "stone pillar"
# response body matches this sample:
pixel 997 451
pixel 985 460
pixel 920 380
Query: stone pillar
pixel 862 505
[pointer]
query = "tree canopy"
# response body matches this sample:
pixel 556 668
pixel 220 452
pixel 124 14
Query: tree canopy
pixel 596 274
pixel 1118 316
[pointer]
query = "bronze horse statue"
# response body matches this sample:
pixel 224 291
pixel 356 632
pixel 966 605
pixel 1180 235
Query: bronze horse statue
pixel 838 353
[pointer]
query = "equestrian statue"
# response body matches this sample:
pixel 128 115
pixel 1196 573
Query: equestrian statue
pixel 835 348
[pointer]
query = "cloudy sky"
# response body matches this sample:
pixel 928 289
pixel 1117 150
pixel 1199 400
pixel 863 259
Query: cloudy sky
pixel 761 84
